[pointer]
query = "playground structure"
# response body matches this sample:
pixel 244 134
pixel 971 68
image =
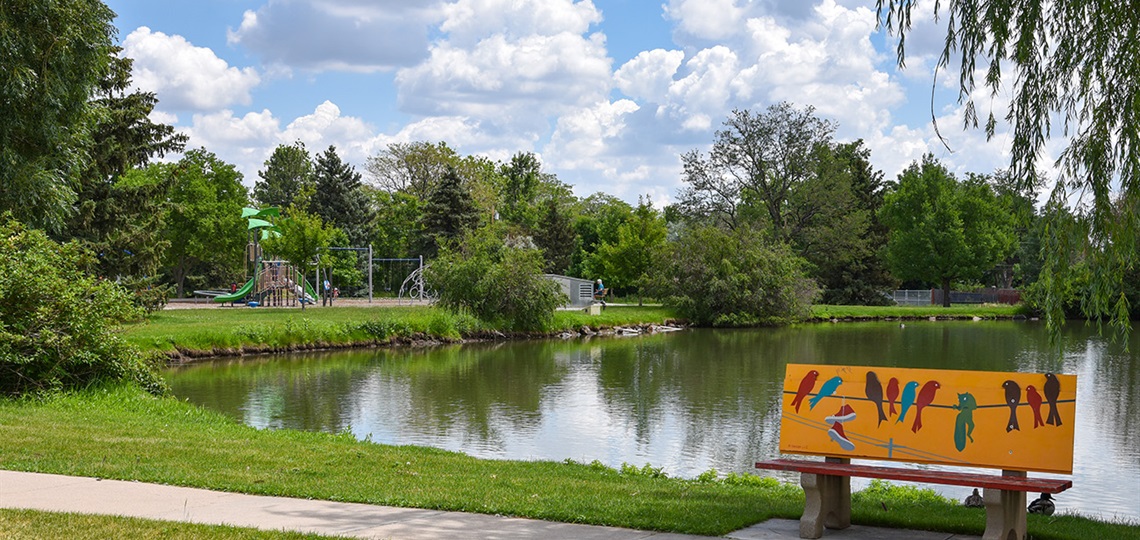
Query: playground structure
pixel 415 287
pixel 271 282
pixel 277 283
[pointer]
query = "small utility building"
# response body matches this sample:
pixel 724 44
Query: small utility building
pixel 580 291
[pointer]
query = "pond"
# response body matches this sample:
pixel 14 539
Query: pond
pixel 685 401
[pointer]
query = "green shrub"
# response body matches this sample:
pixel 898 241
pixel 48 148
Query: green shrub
pixel 732 278
pixel 56 322
pixel 496 282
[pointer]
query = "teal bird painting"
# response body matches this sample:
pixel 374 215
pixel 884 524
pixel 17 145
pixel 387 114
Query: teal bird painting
pixel 826 390
pixel 908 395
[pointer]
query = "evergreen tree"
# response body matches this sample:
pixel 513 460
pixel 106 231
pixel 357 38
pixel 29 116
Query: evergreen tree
pixel 449 213
pixel 520 185
pixel 340 199
pixel 555 236
pixel 858 276
pixel 287 174
pixel 121 221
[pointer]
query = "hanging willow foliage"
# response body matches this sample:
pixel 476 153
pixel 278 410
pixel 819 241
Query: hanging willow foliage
pixel 1074 63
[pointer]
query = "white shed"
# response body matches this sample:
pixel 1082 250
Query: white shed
pixel 580 291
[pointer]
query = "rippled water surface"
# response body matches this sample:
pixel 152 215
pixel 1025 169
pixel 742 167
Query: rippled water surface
pixel 686 401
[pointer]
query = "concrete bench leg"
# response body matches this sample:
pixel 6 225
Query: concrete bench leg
pixel 1005 512
pixel 827 502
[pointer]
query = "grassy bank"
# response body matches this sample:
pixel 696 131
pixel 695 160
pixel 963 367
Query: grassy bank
pixel 123 433
pixel 235 330
pixel 231 330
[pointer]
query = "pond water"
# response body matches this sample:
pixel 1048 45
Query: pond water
pixel 685 401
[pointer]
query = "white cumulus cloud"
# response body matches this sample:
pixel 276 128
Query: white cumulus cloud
pixel 185 77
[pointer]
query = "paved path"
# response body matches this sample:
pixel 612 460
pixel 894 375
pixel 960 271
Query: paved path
pixel 57 493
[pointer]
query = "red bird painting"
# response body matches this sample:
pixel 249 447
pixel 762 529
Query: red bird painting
pixel 925 397
pixel 1034 400
pixel 806 386
pixel 893 394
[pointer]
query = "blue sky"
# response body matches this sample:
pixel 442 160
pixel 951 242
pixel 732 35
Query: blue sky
pixel 607 93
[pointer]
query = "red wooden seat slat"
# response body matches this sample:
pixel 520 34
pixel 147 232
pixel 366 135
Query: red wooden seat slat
pixel 988 481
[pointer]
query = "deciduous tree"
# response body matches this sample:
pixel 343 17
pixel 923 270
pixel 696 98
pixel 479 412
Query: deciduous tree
pixel 53 55
pixel 303 237
pixel 720 277
pixel 626 261
pixel 942 229
pixel 413 168
pixel 205 229
pixel 288 173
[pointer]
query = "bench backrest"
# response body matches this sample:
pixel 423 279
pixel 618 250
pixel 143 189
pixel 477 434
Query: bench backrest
pixel 1016 421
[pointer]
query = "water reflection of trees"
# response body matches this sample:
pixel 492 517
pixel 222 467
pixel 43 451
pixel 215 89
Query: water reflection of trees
pixel 283 391
pixel 474 388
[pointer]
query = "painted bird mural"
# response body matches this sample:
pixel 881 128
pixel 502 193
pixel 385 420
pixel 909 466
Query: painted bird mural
pixel 907 400
pixel 1034 400
pixel 964 422
pixel 807 384
pixel 893 394
pixel 874 391
pixel 1052 390
pixel 1012 399
pixel 826 390
pixel 925 397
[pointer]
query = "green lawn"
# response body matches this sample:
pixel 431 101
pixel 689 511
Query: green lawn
pixel 123 433
pixel 962 311
pixel 32 524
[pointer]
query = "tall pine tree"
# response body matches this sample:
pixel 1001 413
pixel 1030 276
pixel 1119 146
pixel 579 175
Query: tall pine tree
pixel 340 199
pixel 555 235
pixel 449 214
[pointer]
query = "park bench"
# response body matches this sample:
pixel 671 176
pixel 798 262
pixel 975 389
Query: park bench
pixel 1016 422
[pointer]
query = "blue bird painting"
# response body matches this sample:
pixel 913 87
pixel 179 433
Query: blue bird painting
pixel 827 389
pixel 907 400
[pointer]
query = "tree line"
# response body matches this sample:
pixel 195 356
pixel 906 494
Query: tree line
pixel 776 215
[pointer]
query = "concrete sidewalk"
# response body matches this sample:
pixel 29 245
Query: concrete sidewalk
pixel 153 501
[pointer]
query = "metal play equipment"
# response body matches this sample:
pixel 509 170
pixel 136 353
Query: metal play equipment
pixel 272 282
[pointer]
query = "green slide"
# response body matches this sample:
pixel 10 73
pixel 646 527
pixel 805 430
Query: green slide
pixel 244 290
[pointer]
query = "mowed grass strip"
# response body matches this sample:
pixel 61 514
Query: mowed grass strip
pixel 124 433
pixel 33 524
pixel 983 311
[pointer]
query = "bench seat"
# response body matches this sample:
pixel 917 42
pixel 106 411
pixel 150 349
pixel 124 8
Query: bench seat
pixel 950 478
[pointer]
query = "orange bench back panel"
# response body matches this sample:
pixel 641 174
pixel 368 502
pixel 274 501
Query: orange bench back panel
pixel 1018 421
